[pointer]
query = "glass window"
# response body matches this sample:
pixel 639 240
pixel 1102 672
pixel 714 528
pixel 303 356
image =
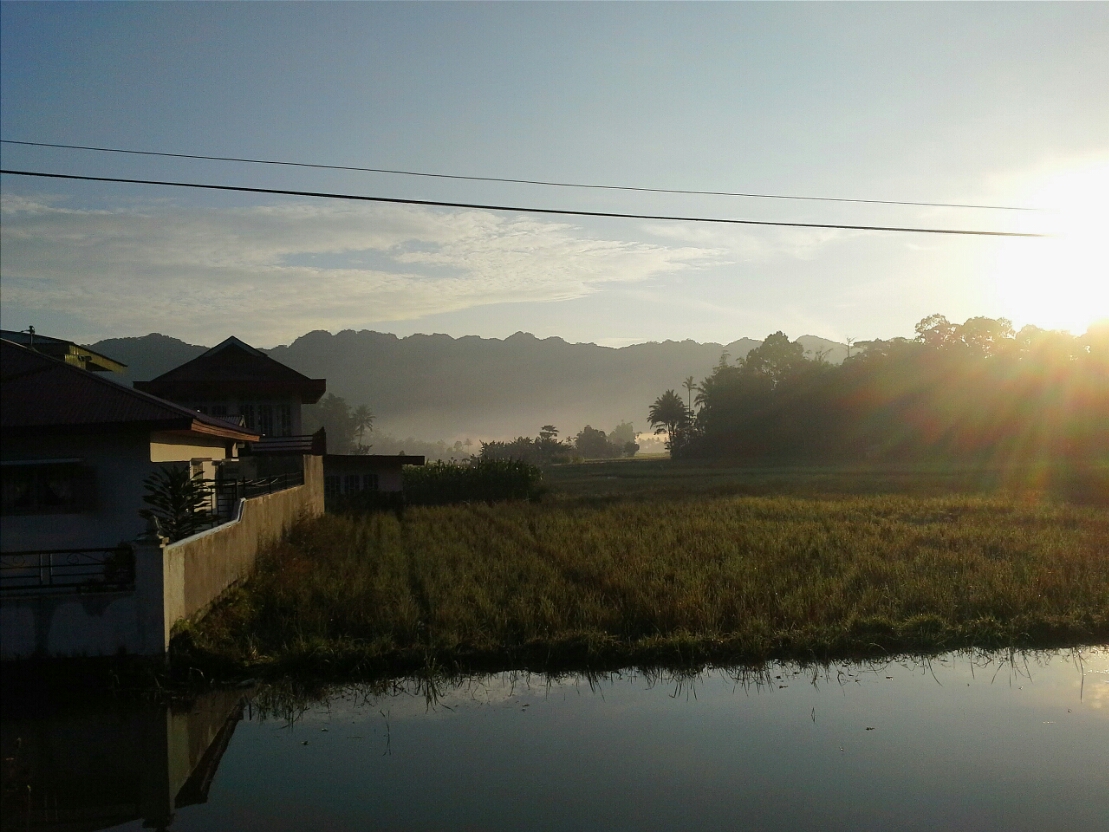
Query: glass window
pixel 265 419
pixel 246 410
pixel 330 487
pixel 369 482
pixel 284 425
pixel 219 410
pixel 353 484
pixel 60 488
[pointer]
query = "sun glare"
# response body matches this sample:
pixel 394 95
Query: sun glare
pixel 1062 282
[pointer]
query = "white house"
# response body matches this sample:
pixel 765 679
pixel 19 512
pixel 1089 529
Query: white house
pixel 77 448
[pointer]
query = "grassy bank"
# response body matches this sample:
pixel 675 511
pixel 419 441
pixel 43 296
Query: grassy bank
pixel 598 582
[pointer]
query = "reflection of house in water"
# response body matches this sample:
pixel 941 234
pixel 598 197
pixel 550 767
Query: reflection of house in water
pixel 87 766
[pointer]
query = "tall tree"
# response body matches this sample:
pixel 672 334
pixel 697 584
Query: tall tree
pixel 668 415
pixel 689 386
pixel 362 420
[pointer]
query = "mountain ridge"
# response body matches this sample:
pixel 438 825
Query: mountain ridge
pixel 436 386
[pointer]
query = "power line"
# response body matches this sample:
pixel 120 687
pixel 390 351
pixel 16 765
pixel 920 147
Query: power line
pixel 514 208
pixel 514 181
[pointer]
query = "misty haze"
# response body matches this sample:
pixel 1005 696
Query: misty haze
pixel 554 415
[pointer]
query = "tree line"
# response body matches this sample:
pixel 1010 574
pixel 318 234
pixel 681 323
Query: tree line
pixel 348 427
pixel 976 391
pixel 547 449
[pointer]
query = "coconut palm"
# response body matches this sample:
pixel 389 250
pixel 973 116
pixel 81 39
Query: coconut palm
pixel 362 420
pixel 668 415
pixel 689 386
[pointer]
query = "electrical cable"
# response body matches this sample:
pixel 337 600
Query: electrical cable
pixel 513 181
pixel 517 209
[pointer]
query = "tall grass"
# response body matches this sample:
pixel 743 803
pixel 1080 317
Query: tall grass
pixel 483 480
pixel 707 578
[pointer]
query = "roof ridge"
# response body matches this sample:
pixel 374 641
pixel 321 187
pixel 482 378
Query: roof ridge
pixel 149 398
pixel 233 341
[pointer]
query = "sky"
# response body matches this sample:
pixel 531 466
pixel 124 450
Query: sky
pixel 1000 104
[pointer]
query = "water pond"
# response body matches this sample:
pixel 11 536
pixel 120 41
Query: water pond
pixel 962 741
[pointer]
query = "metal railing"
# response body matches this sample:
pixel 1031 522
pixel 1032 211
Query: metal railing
pixel 68 570
pixel 226 493
pixel 309 443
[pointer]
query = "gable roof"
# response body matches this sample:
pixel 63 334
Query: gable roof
pixel 233 368
pixel 40 394
pixel 67 351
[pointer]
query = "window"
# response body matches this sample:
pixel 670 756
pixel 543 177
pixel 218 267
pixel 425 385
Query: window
pixel 284 425
pixel 246 410
pixel 219 410
pixel 331 487
pixel 353 484
pixel 265 419
pixel 48 488
pixel 369 482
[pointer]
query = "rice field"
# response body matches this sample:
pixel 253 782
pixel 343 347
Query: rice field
pixel 607 581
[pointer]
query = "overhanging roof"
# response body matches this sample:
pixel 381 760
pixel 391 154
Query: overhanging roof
pixel 67 351
pixel 39 394
pixel 233 369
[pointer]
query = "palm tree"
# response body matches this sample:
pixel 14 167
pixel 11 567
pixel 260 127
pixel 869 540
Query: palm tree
pixel 668 415
pixel 362 420
pixel 689 388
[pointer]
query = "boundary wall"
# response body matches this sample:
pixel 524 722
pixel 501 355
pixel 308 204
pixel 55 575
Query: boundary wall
pixel 174 582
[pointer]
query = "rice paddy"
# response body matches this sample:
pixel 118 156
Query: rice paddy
pixel 592 580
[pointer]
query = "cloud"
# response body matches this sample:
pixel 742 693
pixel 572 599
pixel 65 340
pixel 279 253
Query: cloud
pixel 272 272
pixel 753 244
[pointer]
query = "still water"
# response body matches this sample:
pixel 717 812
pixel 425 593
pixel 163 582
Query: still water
pixel 963 741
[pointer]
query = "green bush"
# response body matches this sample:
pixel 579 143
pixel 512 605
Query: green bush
pixel 482 480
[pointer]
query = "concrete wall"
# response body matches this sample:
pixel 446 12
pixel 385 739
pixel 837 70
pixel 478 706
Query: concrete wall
pixel 121 460
pixel 174 582
pixel 198 569
pixel 169 447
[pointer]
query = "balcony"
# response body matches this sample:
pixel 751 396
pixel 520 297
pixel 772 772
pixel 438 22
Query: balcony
pixel 67 570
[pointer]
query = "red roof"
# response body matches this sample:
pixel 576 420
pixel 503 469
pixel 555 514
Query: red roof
pixel 39 393
pixel 233 369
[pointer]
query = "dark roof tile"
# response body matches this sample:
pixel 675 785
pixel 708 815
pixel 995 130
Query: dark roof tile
pixel 233 368
pixel 39 392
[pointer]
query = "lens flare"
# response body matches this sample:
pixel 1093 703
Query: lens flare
pixel 1062 282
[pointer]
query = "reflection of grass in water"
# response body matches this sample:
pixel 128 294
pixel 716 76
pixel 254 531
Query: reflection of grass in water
pixel 674 581
pixel 289 698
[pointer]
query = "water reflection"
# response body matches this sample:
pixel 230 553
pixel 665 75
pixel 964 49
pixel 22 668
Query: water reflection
pixel 967 741
pixel 97 765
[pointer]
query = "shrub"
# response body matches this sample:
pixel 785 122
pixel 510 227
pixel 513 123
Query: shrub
pixel 482 480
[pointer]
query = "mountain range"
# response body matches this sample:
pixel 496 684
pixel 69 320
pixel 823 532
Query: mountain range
pixel 440 387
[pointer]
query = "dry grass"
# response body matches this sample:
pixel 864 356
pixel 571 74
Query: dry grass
pixel 708 578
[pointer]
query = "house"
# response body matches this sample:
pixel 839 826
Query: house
pixel 79 574
pixel 346 474
pixel 77 448
pixel 233 380
pixel 66 351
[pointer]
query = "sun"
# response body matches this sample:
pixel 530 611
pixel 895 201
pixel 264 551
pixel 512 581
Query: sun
pixel 1061 282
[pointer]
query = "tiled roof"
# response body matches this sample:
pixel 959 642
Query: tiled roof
pixel 41 393
pixel 233 368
